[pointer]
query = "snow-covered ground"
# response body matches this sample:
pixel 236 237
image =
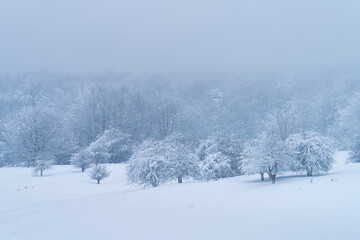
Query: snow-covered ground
pixel 65 204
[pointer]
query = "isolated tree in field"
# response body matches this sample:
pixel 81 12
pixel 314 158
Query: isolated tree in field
pixel 99 172
pixel 148 165
pixel 313 152
pixel 267 154
pixel 81 160
pixel 42 164
pixel 181 161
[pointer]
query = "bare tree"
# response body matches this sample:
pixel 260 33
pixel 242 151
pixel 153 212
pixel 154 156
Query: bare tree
pixel 166 116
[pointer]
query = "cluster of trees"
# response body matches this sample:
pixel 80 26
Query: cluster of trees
pixel 302 152
pixel 276 151
pixel 93 119
pixel 157 162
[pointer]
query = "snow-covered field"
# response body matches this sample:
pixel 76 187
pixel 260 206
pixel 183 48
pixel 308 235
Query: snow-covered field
pixel 65 204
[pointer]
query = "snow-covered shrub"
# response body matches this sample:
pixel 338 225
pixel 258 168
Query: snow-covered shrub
pixel 313 152
pixel 147 166
pixel 267 154
pixel 216 166
pixel 99 172
pixel 42 164
pixel 81 160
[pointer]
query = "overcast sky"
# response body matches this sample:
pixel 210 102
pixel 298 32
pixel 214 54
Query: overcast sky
pixel 177 35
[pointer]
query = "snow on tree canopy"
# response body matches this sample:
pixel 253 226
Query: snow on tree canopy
pixel 99 172
pixel 156 162
pixel 227 145
pixel 111 147
pixel 216 166
pixel 82 159
pixel 267 154
pixel 43 163
pixel 181 161
pixel 34 132
pixel 313 152
pixel 147 165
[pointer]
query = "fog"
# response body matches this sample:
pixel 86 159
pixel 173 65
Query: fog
pixel 175 36
pixel 152 69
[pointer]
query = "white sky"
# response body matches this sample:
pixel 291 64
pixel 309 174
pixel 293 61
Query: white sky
pixel 177 35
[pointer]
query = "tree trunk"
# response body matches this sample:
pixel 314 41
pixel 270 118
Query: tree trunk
pixel 179 179
pixel 309 173
pixel 262 176
pixel 273 179
pixel 82 169
pixel 41 172
pixel 98 181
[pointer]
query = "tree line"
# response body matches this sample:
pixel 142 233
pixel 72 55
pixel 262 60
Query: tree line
pixel 86 120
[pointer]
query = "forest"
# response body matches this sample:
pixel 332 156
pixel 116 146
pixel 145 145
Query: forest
pixel 205 127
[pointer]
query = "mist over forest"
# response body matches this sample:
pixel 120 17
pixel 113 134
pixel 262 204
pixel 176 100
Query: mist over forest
pixel 198 119
pixel 154 106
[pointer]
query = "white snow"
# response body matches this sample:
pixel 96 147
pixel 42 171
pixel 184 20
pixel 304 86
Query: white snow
pixel 65 204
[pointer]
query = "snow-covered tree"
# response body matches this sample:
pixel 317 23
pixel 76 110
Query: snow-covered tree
pixel 180 160
pixel 99 172
pixel 232 149
pixel 43 163
pixel 147 166
pixel 267 154
pixel 216 166
pixel 81 159
pixel 156 162
pixel 112 146
pixel 32 133
pixel 254 158
pixel 313 152
pixel 227 145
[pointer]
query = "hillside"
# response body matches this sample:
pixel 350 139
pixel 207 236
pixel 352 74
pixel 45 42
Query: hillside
pixel 66 204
